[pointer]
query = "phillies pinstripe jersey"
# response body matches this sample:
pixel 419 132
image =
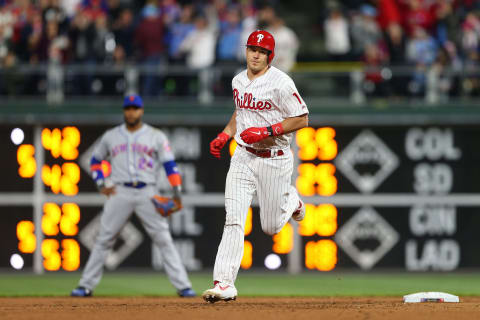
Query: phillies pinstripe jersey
pixel 134 156
pixel 264 101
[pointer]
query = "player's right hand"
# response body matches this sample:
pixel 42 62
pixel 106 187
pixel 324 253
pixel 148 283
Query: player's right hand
pixel 218 143
pixel 108 191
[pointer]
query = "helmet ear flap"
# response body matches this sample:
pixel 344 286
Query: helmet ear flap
pixel 271 56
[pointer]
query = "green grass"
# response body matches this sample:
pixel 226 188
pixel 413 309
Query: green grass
pixel 249 284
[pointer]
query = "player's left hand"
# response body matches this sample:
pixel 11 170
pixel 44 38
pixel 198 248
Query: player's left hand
pixel 254 134
pixel 166 206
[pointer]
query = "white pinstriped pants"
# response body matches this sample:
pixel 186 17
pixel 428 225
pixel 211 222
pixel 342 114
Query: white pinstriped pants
pixel 270 179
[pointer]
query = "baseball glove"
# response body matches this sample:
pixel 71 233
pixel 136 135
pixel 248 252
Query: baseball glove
pixel 166 206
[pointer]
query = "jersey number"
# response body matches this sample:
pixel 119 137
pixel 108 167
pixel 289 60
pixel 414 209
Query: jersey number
pixel 144 163
pixel 298 98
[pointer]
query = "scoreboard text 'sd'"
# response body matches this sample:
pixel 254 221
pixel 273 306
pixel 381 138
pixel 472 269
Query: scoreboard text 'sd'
pixel 378 196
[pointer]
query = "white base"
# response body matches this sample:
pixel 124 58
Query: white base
pixel 430 297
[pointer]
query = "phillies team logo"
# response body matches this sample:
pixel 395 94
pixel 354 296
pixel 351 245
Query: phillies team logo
pixel 249 102
pixel 259 37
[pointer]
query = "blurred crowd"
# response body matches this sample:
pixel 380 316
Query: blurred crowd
pixel 152 33
pixel 426 35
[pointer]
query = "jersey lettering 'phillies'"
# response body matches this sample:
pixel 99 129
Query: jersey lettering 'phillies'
pixel 265 101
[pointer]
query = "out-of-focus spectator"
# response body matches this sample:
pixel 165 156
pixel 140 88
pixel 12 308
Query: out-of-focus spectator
pixel 124 30
pixel 28 39
pixel 365 29
pixel 11 80
pixel 229 38
pixel 388 13
pixel 52 45
pixel 82 33
pixel 149 39
pixel 446 22
pixel 171 11
pixel 470 37
pixel 286 41
pixel 374 60
pixel 470 44
pixel 103 41
pixel 199 45
pixel 51 10
pixel 249 24
pixel 337 36
pixel 179 30
pixel 94 8
pixel 418 15
pixel 421 52
pixel 396 44
pixel 113 83
pixel 70 7
pixel 114 9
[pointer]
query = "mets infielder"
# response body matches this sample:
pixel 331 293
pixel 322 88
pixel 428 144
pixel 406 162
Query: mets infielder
pixel 268 109
pixel 136 151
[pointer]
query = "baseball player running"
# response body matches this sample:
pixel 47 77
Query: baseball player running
pixel 136 151
pixel 268 109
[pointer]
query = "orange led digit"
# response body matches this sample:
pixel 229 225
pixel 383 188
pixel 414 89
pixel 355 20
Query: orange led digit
pixel 70 178
pixel 326 220
pixel 326 181
pixel 70 142
pixel 321 255
pixel 26 161
pixel 283 241
pixel 70 219
pixel 26 236
pixel 52 140
pixel 52 259
pixel 306 179
pixel 70 255
pixel 306 142
pixel 327 146
pixel 307 227
pixel 248 222
pixel 247 255
pixel 51 219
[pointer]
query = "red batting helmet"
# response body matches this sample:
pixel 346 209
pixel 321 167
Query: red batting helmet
pixel 263 39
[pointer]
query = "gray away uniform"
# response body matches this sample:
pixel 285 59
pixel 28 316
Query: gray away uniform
pixel 134 157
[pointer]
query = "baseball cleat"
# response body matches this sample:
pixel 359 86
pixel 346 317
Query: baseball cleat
pixel 81 292
pixel 220 292
pixel 187 293
pixel 299 214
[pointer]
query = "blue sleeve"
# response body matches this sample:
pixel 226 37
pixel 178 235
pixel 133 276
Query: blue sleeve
pixel 96 169
pixel 170 167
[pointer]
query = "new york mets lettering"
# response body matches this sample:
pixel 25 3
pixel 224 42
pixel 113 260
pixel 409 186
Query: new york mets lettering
pixel 136 152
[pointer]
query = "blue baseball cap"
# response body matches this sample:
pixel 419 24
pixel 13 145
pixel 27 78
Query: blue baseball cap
pixel 133 100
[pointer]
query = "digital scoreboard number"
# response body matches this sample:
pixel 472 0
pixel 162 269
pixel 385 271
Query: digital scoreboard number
pixel 57 220
pixel 376 197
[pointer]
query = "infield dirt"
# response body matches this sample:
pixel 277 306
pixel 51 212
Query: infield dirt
pixel 262 308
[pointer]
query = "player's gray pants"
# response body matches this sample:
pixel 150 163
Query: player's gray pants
pixel 117 210
pixel 270 179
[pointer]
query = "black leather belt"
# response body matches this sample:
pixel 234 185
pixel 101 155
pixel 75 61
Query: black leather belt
pixel 136 185
pixel 264 153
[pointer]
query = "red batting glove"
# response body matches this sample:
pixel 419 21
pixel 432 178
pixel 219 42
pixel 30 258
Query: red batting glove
pixel 254 134
pixel 218 143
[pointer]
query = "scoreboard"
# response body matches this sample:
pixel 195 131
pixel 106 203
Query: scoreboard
pixel 376 197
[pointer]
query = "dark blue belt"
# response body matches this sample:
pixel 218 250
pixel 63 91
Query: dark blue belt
pixel 136 185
